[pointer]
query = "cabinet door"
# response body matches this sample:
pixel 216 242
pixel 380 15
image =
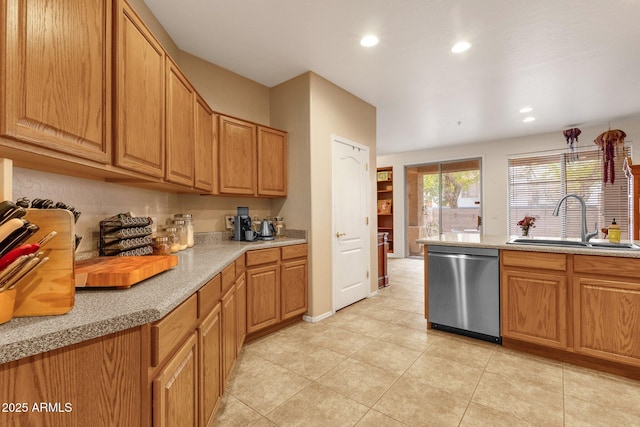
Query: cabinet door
pixel 57 75
pixel 139 96
pixel 263 297
pixel 210 351
pixel 241 304
pixel 237 156
pixel 180 126
pixel 272 162
pixel 293 288
pixel 175 389
pixel 607 318
pixel 229 325
pixel 534 307
pixel 206 143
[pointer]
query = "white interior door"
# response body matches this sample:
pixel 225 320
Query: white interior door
pixel 350 222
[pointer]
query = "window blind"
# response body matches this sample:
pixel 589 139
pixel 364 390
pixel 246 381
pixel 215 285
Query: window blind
pixel 537 183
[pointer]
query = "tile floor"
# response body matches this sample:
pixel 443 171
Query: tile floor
pixel 374 364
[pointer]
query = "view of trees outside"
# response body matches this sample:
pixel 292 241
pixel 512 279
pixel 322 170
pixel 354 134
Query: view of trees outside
pixel 442 198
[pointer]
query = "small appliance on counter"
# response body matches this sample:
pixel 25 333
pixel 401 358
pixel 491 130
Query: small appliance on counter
pixel 266 230
pixel 242 230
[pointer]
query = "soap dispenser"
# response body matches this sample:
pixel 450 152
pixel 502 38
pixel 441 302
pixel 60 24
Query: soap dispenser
pixel 614 232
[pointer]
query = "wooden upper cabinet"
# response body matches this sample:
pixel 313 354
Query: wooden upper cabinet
pixel 56 75
pixel 180 126
pixel 206 161
pixel 272 162
pixel 140 130
pixel 237 156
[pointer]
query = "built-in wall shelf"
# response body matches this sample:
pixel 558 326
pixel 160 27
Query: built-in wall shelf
pixel 385 203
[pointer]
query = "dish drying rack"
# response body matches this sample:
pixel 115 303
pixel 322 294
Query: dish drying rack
pixel 124 235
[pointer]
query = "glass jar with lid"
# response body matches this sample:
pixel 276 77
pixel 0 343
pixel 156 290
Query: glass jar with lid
pixel 188 219
pixel 161 245
pixel 181 233
pixel 171 232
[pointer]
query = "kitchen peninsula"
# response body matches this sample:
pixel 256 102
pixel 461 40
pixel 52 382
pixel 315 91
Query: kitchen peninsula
pixel 570 303
pixel 125 357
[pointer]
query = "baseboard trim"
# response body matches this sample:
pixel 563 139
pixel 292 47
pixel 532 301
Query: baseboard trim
pixel 373 294
pixel 316 319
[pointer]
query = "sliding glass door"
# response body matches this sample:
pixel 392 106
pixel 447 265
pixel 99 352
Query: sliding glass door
pixel 442 198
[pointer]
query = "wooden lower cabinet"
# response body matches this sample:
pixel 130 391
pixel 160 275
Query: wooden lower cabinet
pixel 241 306
pixel 580 308
pixel 175 389
pixel 79 380
pixel 533 297
pixel 534 307
pixel 277 292
pixel 293 288
pixel 229 334
pixel 210 377
pixel 263 297
pixel 606 300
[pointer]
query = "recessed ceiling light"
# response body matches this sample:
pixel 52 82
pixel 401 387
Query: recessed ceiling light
pixel 368 41
pixel 528 119
pixel 460 47
pixel 526 109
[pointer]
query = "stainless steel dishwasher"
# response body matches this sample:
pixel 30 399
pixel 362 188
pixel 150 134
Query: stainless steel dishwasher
pixel 464 291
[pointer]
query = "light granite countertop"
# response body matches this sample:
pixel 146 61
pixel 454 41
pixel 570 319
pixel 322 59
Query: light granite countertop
pixel 98 312
pixel 500 242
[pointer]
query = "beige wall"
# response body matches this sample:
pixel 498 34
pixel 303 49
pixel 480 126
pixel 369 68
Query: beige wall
pixel 313 109
pixel 227 92
pixel 495 155
pixel 334 111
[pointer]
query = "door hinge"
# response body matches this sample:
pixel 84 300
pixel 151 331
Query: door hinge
pixel 366 220
pixel 367 274
pixel 366 168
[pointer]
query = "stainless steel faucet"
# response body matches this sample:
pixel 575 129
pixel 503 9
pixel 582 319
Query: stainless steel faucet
pixel 586 236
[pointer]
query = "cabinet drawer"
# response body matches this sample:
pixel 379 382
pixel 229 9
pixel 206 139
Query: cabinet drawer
pixel 209 295
pixel 263 256
pixel 167 333
pixel 228 276
pixel 605 265
pixel 295 251
pixel 536 260
pixel 240 265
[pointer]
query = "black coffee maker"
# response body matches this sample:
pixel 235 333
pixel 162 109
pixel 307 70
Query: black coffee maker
pixel 241 224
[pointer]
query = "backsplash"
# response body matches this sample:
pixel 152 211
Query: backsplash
pixel 98 200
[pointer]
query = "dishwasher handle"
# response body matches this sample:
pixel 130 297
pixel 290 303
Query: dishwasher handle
pixel 461 256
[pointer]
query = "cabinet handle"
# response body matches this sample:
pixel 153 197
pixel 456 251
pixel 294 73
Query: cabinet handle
pixel 338 234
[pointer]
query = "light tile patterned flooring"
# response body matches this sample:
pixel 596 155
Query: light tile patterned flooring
pixel 374 364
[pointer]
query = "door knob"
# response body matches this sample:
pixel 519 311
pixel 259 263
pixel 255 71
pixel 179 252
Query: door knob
pixel 338 234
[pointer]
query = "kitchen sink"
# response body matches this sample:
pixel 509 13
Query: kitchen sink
pixel 574 243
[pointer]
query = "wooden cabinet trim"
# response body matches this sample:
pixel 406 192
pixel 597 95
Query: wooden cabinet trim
pixel 294 251
pixel 209 295
pixel 167 333
pixel 606 266
pixel 534 260
pixel 262 256
pixel 228 276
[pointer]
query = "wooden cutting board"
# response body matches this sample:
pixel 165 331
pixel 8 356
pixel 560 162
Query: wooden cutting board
pixel 121 272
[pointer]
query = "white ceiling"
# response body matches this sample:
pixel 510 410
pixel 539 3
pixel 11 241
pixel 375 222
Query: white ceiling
pixel 576 62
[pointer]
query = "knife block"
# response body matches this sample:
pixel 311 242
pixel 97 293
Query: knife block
pixel 49 289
